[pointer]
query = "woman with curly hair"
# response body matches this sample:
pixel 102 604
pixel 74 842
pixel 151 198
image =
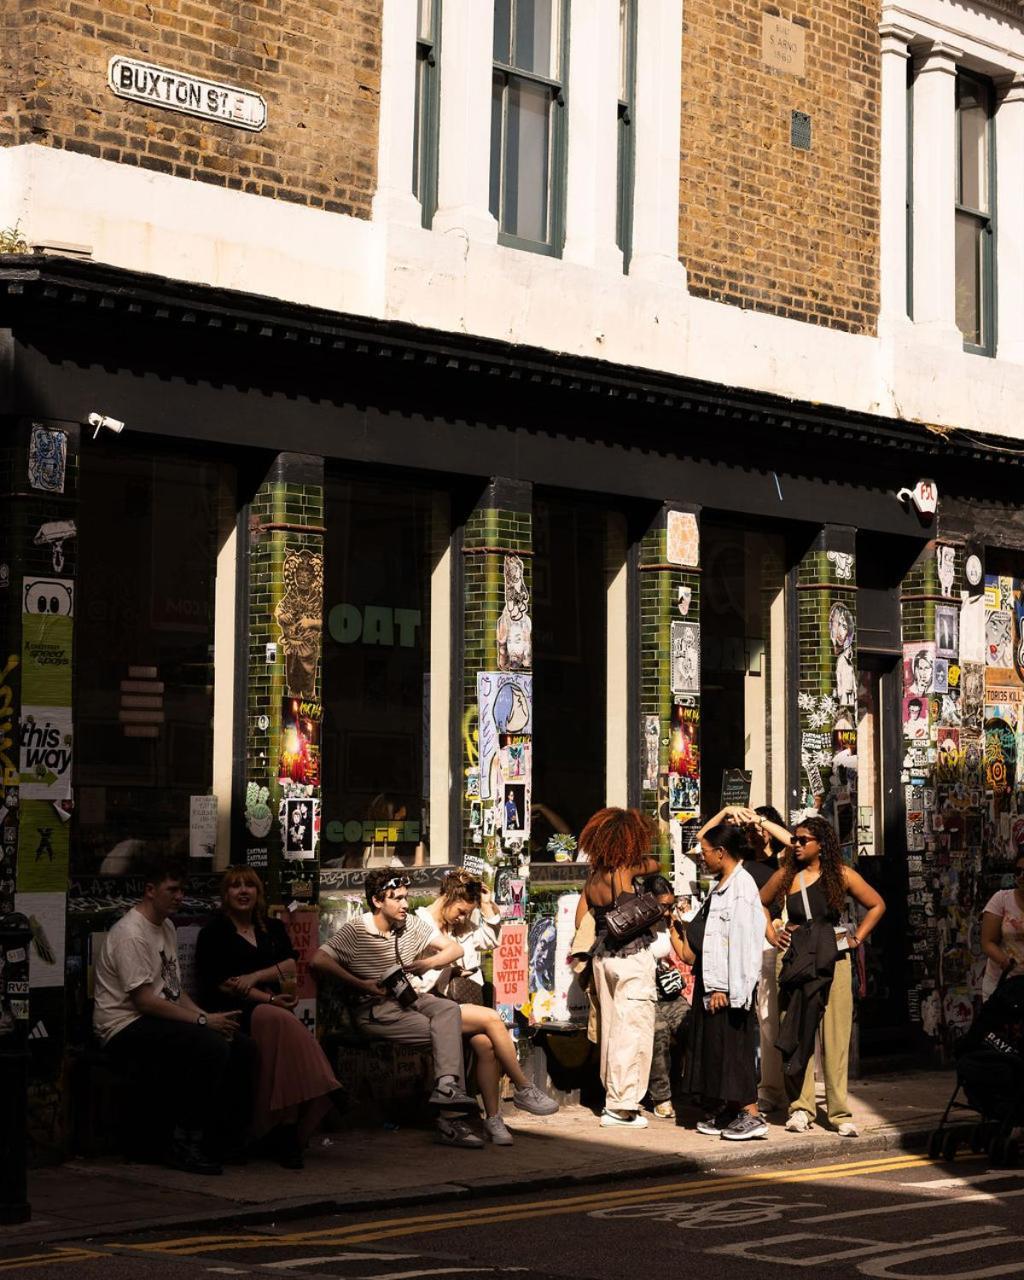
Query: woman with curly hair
pixel 465 911
pixel 813 868
pixel 617 844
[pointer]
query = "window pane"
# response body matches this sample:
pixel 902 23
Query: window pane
pixel 503 31
pixel 418 123
pixel 969 279
pixel 497 99
pixel 424 19
pixel 527 161
pixel 536 37
pixel 624 50
pixel 376 669
pixel 973 125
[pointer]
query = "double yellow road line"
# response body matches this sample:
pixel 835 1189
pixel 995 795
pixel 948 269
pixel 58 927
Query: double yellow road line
pixel 51 1259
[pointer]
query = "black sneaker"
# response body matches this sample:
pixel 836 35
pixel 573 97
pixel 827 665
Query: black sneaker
pixel 188 1158
pixel 713 1125
pixel 451 1096
pixel 456 1133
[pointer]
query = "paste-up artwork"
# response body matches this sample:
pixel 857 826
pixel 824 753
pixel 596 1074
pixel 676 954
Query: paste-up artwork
pixel 842 562
pixel 202 826
pixel 972 754
pixel 945 566
pixel 651 742
pixel 999 639
pixel 947 631
pixel 47 459
pixel 46 751
pixel 47 914
pixel 46 643
pixel 505 706
pixel 299 614
pixel 258 815
pixel 42 848
pixel 684 745
pixel 300 740
pixel 947 762
pixel 514 626
pixel 1005 587
pixel 682 539
pixel 918 669
pixel 54 534
pixel 300 828
pixel 514 755
pixel 542 942
pixel 841 633
pixel 685 658
pixel 972 629
pixel 684 598
pixel 570 999
pixel 972 695
pixel 1000 754
pixel 515 810
pixel 940 676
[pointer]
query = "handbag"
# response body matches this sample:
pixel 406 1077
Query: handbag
pixel 632 914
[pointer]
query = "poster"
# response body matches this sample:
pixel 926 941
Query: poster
pixel 47 622
pixel 42 848
pixel 685 658
pixel 511 974
pixel 682 539
pixel 202 826
pixel 999 639
pixel 515 810
pixel 684 759
pixel 187 938
pixel 46 748
pixel 47 913
pixel 514 628
pixel 299 615
pixel 915 719
pixel 299 759
pixel 301 827
pixel 651 742
pixel 302 927
pixel 47 459
pixel 918 669
pixel 570 999
pixel 842 632
pixel 947 631
pixel 505 706
pixel 541 940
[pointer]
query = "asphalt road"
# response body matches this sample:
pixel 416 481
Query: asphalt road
pixel 887 1217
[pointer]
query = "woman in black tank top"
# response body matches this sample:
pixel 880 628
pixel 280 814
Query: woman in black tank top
pixel 814 867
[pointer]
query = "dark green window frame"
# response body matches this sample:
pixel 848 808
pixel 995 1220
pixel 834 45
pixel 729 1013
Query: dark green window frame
pixel 626 168
pixel 506 75
pixel 427 104
pixel 983 219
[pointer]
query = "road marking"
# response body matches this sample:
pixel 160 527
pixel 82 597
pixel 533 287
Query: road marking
pixel 354 1256
pixel 540 1208
pixel 48 1259
pixel 940 1247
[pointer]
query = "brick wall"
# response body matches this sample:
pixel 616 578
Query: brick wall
pixel 762 224
pixel 316 62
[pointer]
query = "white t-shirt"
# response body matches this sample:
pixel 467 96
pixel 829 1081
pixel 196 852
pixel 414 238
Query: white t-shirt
pixel 135 953
pixel 1011 935
pixel 482 935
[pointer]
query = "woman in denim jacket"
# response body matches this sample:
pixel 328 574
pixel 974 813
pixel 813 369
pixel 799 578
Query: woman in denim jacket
pixel 724 942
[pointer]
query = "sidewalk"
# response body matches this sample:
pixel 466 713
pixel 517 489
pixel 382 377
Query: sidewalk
pixel 360 1168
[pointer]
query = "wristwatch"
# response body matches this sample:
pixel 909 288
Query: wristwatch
pixel 201 1020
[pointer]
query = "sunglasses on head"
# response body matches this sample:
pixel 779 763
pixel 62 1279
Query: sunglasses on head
pixel 396 882
pixel 802 840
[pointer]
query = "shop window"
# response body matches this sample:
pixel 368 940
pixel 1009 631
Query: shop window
pixel 424 160
pixel 528 122
pixel 626 134
pixel 149 529
pixel 384 539
pixel 975 213
pixel 570 613
pixel 742 663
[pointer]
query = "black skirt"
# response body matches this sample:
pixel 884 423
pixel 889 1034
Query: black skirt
pixel 721 1063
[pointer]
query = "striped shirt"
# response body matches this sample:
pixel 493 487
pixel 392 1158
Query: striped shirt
pixel 362 949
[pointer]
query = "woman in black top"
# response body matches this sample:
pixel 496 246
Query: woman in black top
pixel 814 866
pixel 244 957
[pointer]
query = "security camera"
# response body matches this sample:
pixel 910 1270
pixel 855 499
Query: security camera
pixel 100 420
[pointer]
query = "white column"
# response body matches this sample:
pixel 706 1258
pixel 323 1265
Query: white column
pixel 658 117
pixel 394 200
pixel 893 176
pixel 464 134
pixel 1010 220
pixel 593 94
pixel 935 193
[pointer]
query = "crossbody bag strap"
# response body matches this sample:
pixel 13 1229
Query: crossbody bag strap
pixel 803 894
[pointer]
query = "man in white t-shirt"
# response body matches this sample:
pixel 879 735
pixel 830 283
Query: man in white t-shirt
pixel 374 952
pixel 146 1021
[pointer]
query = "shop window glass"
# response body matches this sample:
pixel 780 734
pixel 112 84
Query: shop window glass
pixel 569 658
pixel 975 221
pixel 149 530
pixel 424 160
pixel 742 653
pixel 383 541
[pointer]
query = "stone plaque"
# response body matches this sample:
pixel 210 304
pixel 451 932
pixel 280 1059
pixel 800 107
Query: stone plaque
pixel 782 45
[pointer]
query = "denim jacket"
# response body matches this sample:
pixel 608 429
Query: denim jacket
pixel 734 939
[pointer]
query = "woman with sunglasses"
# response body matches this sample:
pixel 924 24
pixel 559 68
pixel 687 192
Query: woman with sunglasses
pixel 465 911
pixel 1002 931
pixel 814 867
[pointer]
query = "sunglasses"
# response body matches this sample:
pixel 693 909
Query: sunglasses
pixel 802 840
pixel 396 882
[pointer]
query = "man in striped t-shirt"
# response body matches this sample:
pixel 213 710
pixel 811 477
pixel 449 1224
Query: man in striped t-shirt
pixel 369 955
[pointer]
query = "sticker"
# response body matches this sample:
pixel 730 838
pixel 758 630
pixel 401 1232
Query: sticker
pixel 973 570
pixel 685 658
pixel 515 810
pixel 915 719
pixel 918 669
pixel 842 561
pixel 46 645
pixel 47 459
pixel 299 615
pixel 271 657
pixel 947 631
pixel 999 639
pixel 651 736
pixel 258 816
pixel 42 849
pixel 46 752
pixel 682 539
pixel 46 914
pixel 16 956
pixel 263 723
pixel 514 629
pixel 940 676
pixel 842 631
pixel 54 534
pixel 947 764
pixel 684 597
pixel 514 755
pixel 300 740
pixel 202 826
pixel 505 706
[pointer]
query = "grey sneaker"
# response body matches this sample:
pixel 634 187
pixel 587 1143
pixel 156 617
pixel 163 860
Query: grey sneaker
pixel 497 1131
pixel 456 1133
pixel 713 1125
pixel 746 1126
pixel 798 1122
pixel 450 1095
pixel 534 1100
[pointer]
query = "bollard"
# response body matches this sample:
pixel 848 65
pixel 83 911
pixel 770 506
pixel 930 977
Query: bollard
pixel 15 937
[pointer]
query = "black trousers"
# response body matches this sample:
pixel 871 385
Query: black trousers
pixel 191 1074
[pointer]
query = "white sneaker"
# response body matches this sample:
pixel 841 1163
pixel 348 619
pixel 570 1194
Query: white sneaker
pixel 536 1101
pixel 497 1131
pixel 848 1130
pixel 798 1122
pixel 623 1120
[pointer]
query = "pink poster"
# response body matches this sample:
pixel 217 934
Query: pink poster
pixel 511 972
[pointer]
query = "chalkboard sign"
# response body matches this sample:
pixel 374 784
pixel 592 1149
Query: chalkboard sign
pixel 735 787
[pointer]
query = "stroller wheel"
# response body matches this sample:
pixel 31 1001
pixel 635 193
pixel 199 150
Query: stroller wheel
pixel 950 1142
pixel 935 1144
